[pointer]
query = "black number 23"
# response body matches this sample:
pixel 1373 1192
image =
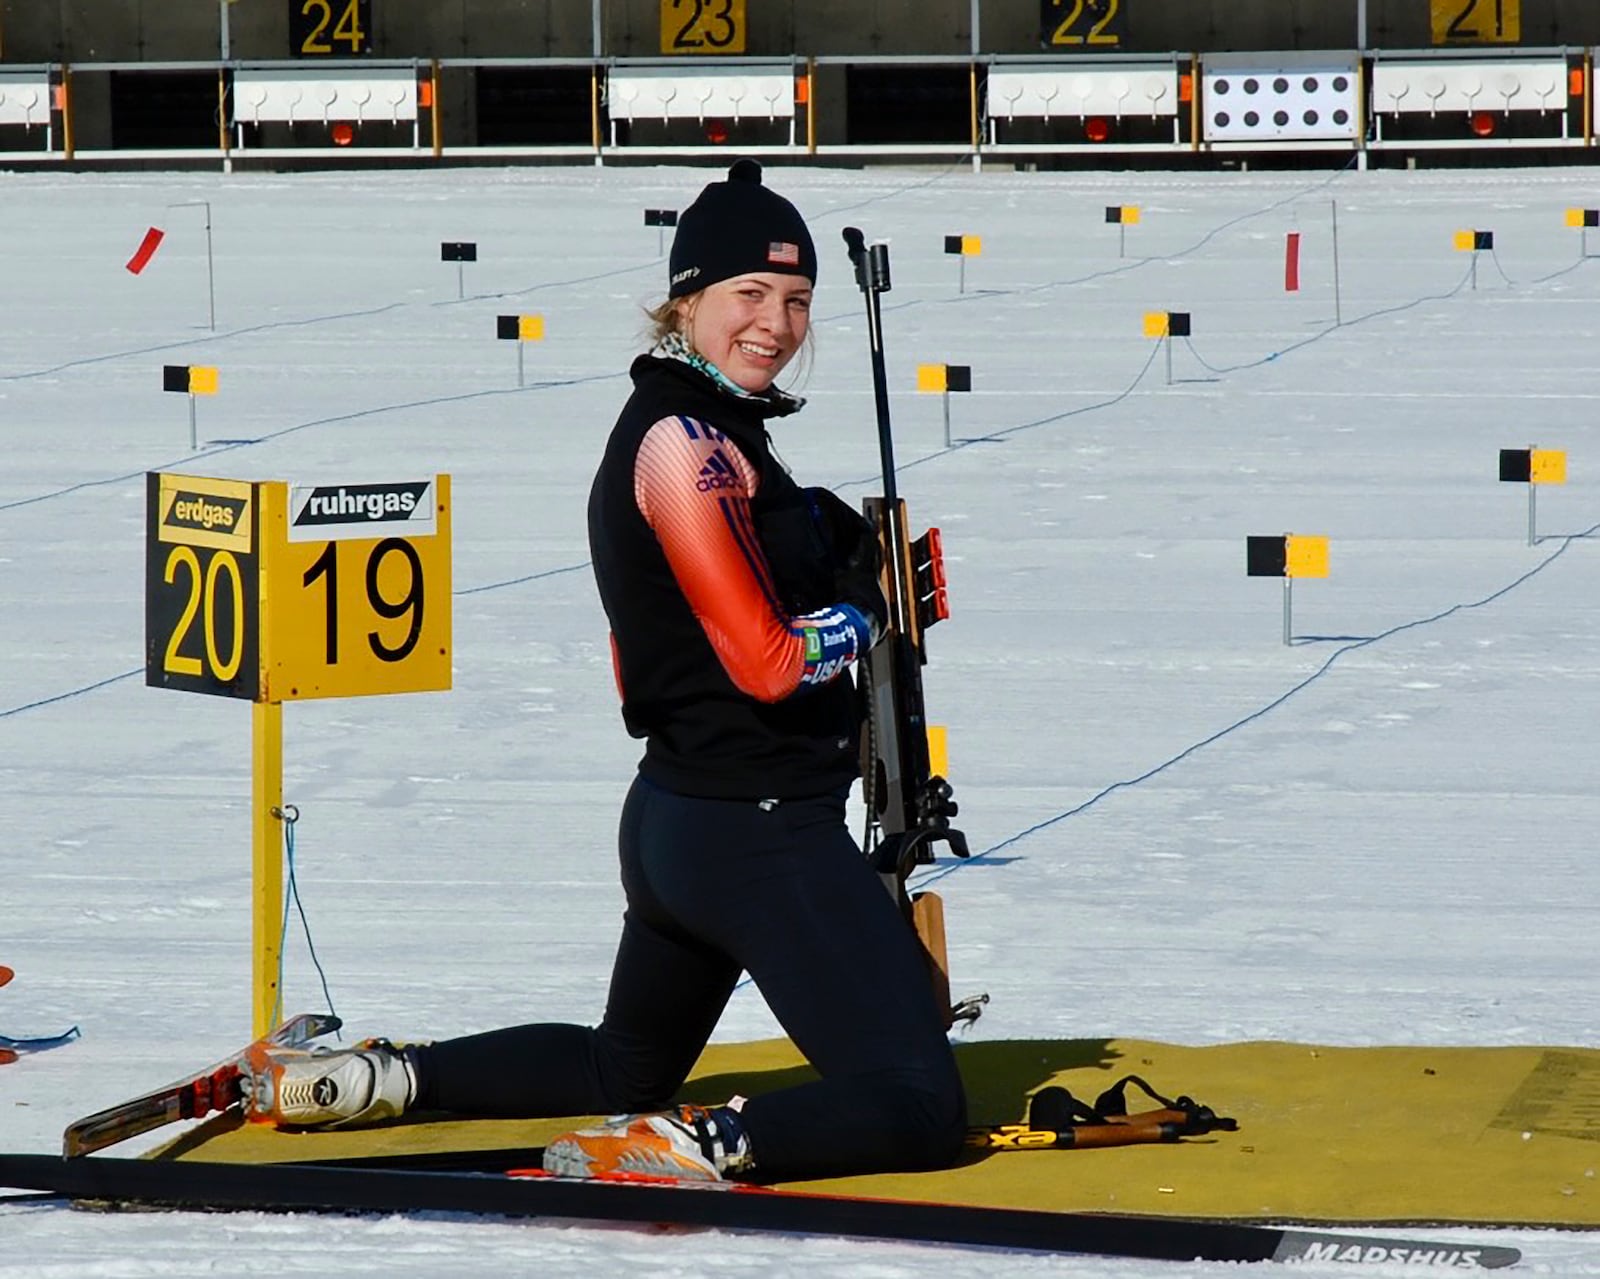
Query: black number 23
pixel 710 22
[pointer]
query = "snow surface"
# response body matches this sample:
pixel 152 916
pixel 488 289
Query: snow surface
pixel 1379 834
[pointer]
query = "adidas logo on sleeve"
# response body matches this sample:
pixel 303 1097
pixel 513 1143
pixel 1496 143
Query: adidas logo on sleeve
pixel 718 473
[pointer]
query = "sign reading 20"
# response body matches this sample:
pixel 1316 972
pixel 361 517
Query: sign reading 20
pixel 203 575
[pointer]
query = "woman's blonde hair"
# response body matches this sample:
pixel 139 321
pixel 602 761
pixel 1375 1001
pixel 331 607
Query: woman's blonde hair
pixel 663 321
pixel 666 318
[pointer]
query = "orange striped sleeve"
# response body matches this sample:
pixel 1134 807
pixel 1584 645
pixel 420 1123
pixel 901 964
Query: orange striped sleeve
pixel 693 486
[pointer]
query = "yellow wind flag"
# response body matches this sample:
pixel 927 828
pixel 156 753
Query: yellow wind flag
pixel 1305 556
pixel 1547 466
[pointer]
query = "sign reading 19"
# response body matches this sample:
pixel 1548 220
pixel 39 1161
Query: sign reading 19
pixel 325 27
pixel 325 568
pixel 1099 24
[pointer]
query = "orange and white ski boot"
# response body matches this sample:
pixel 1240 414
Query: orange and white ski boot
pixel 327 1087
pixel 689 1143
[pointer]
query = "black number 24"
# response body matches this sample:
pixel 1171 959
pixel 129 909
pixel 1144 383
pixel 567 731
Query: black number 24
pixel 317 17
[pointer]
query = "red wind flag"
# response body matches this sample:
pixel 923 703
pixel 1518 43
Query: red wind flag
pixel 146 250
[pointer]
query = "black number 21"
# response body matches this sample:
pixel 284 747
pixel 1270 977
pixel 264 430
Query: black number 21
pixel 1456 31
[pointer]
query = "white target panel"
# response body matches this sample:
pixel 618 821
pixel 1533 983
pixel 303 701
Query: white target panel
pixel 298 97
pixel 730 93
pixel 25 99
pixel 1402 86
pixel 1147 89
pixel 1298 97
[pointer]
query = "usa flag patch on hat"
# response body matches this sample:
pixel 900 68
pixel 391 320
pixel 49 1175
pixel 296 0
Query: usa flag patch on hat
pixel 782 253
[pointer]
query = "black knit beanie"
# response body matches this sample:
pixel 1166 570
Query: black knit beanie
pixel 738 227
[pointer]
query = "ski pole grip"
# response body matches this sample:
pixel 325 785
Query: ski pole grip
pixel 1092 1136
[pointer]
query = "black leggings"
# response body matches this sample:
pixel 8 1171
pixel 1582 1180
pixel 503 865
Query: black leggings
pixel 716 887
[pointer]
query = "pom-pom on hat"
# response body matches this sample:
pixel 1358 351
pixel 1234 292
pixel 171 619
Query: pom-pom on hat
pixel 738 227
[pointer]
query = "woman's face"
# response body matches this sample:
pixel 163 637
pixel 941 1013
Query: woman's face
pixel 750 326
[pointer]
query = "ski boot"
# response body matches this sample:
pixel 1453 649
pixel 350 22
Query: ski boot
pixel 327 1087
pixel 690 1143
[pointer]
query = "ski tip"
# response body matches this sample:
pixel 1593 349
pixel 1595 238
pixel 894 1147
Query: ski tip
pixel 5 974
pixel 7 1056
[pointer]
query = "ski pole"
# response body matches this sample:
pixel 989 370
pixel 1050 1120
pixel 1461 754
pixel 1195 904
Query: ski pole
pixel 1076 1137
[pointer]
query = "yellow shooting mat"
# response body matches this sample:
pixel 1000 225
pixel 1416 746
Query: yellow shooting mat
pixel 1486 1136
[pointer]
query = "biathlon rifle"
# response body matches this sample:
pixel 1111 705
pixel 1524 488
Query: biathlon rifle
pixel 909 806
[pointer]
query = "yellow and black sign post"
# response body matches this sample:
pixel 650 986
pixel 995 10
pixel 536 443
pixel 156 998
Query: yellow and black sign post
pixel 268 593
pixel 519 329
pixel 1288 557
pixel 944 378
pixel 1583 219
pixel 1122 216
pixel 1166 325
pixel 1474 242
pixel 190 380
pixel 963 247
pixel 1533 467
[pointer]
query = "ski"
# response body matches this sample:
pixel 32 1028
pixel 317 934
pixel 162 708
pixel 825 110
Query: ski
pixel 11 1048
pixel 313 1188
pixel 215 1088
pixel 7 1055
pixel 38 1043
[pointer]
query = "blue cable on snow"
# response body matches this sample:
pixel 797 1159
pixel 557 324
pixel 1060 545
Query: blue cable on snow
pixel 1349 647
pixel 289 815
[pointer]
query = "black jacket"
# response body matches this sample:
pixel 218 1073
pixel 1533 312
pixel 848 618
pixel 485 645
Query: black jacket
pixel 704 736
